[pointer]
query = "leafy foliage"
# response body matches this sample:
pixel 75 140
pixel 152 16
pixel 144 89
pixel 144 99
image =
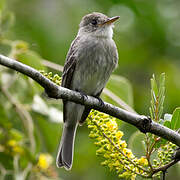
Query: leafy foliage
pixel 157 97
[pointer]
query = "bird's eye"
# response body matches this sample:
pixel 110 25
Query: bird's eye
pixel 94 22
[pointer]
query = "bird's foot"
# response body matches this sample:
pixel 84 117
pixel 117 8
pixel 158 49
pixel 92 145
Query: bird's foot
pixel 100 101
pixel 83 95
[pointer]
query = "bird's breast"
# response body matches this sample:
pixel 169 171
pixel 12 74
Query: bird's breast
pixel 94 65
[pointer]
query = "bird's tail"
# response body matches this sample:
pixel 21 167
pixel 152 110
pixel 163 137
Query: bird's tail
pixel 66 148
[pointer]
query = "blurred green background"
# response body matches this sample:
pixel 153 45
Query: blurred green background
pixel 148 40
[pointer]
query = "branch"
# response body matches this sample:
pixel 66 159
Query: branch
pixel 143 123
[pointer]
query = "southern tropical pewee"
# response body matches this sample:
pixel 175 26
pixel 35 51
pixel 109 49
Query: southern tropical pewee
pixel 89 63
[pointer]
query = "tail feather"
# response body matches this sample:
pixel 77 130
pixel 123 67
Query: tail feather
pixel 66 148
pixel 72 115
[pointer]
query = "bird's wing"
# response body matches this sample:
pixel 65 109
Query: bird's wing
pixel 68 70
pixel 70 65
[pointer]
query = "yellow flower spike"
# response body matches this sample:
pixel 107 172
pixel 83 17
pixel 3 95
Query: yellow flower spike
pixel 44 161
pixel 117 163
pixel 119 134
pixel 112 125
pixel 105 115
pixel 106 155
pixel 133 177
pixel 143 161
pixel 128 153
pixel 122 144
pixel 12 143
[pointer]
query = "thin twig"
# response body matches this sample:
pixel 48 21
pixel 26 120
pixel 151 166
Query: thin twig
pixel 165 167
pixel 118 100
pixel 16 164
pixel 164 175
pixel 26 170
pixel 52 65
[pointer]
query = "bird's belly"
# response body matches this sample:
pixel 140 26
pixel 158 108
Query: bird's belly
pixel 92 84
pixel 92 77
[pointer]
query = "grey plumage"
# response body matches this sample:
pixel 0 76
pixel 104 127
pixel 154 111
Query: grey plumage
pixel 89 63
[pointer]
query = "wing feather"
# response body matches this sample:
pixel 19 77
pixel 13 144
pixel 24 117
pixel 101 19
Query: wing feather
pixel 68 70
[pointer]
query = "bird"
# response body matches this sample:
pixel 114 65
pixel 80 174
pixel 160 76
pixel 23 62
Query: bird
pixel 91 59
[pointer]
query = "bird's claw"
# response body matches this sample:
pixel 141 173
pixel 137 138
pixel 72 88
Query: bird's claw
pixel 100 101
pixel 83 96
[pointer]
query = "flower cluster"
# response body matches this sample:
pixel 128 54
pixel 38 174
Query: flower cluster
pixel 43 167
pixel 164 154
pixel 14 147
pixel 56 78
pixel 13 143
pixel 118 157
pixel 44 161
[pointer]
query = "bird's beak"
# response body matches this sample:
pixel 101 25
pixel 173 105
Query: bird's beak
pixel 110 20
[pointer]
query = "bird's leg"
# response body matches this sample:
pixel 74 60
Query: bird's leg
pixel 83 95
pixel 100 100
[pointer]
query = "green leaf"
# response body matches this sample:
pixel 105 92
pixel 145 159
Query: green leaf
pixel 167 117
pixel 167 120
pixel 136 143
pixel 162 80
pixel 151 112
pixel 175 122
pixel 121 87
pixel 167 124
pixel 30 58
pixel 157 97
pixel 154 85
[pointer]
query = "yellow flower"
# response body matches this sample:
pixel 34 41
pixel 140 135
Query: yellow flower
pixel 12 143
pixel 119 134
pixel 18 149
pixel 133 177
pixel 122 144
pixel 44 161
pixel 143 161
pixel 105 115
pixel 112 125
pixel 116 163
pixel 128 153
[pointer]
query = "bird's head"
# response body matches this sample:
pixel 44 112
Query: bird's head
pixel 97 24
